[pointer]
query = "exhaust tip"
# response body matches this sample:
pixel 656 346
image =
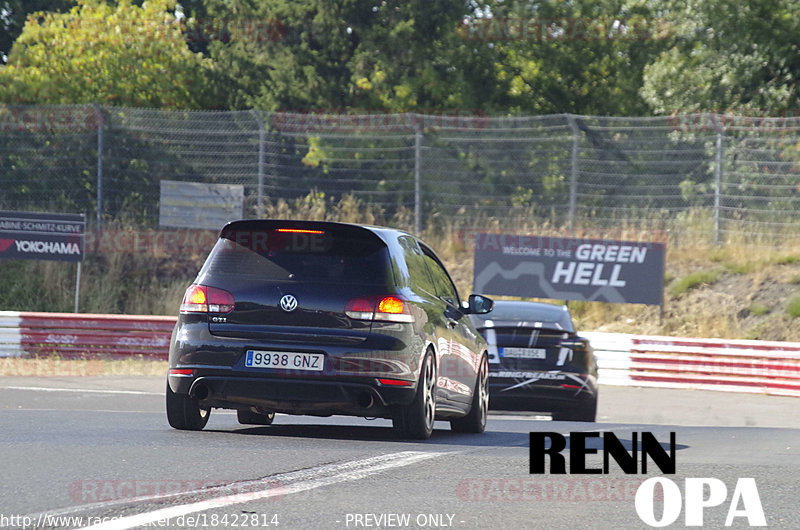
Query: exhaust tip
pixel 365 400
pixel 200 392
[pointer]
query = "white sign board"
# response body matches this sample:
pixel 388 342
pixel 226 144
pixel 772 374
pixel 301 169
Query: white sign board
pixel 198 205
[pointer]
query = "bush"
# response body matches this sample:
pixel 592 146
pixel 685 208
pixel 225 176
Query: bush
pixel 692 281
pixel 786 260
pixel 793 307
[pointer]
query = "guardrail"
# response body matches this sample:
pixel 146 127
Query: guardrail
pixel 84 336
pixel 763 367
pixel 759 367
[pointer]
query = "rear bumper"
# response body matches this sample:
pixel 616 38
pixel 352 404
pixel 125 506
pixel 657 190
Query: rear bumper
pixel 541 396
pixel 366 397
pixel 348 383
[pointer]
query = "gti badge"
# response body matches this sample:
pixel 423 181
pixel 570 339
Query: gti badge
pixel 288 303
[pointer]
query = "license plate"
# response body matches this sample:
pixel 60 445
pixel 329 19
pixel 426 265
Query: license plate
pixel 523 353
pixel 284 360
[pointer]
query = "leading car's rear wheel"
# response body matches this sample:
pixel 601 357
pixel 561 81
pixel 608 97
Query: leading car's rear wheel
pixel 249 417
pixel 184 412
pixel 475 421
pixel 416 420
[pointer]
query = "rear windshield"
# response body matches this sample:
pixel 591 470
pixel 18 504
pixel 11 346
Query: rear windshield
pixel 553 317
pixel 303 255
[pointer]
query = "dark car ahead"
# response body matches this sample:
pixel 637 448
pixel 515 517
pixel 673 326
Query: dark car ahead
pixel 317 318
pixel 538 362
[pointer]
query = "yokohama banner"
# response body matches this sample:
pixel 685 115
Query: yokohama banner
pixel 569 269
pixel 41 236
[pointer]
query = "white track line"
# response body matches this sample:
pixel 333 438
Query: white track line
pixel 295 482
pixel 272 481
pixel 82 390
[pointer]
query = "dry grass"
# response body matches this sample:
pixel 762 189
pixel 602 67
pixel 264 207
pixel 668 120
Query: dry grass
pixel 55 367
pixel 746 288
pixel 753 282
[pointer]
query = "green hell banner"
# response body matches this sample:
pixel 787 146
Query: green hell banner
pixel 569 268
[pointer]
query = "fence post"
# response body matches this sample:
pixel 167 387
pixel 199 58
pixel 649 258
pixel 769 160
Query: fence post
pixel 417 183
pixel 260 186
pixel 77 287
pixel 573 176
pixel 717 176
pixel 99 113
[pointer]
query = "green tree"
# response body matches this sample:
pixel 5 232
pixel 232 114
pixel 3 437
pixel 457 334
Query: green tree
pixel 14 13
pixel 125 55
pixel 580 57
pixel 353 54
pixel 195 10
pixel 413 56
pixel 727 55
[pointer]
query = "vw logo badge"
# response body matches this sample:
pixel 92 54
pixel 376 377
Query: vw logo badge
pixel 288 303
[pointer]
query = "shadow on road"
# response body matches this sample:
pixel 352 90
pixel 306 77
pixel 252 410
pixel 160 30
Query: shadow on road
pixel 440 437
pixel 384 434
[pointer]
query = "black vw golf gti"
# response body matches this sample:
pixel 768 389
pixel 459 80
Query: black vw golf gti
pixel 317 318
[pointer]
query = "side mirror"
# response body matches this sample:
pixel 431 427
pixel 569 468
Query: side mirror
pixel 479 304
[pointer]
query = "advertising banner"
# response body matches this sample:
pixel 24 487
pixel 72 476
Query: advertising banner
pixel 41 236
pixel 569 269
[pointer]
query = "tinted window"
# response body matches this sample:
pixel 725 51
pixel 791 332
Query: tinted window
pixel 441 281
pixel 550 316
pixel 415 262
pixel 325 256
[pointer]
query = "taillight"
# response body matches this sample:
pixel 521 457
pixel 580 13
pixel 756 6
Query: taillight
pixel 219 301
pixel 203 299
pixel 195 300
pixel 395 382
pixel 392 305
pixel 392 309
pixel 384 308
pixel 359 309
pixel 577 345
pixel 299 231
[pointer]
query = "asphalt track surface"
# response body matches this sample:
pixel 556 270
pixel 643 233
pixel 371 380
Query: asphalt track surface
pixel 97 452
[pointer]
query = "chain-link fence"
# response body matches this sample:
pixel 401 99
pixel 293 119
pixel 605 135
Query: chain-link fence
pixel 737 175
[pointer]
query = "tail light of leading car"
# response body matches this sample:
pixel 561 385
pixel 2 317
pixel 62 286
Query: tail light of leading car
pixel 577 345
pixel 382 308
pixel 204 299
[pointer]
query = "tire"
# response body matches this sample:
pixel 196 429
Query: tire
pixel 416 420
pixel 184 412
pixel 248 417
pixel 586 411
pixel 475 421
